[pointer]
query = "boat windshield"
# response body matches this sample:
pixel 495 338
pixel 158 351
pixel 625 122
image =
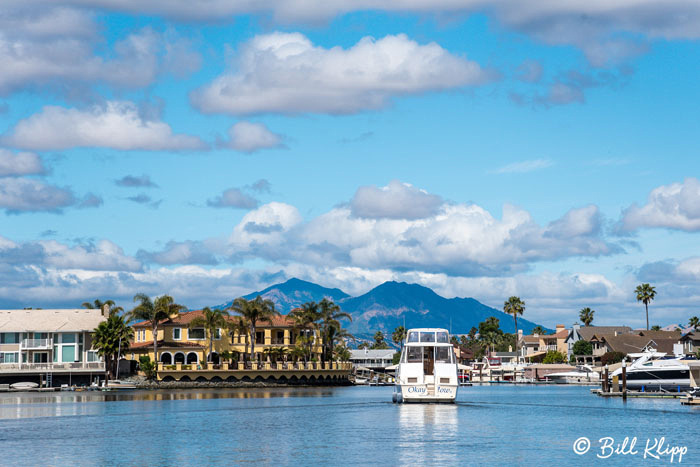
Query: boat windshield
pixel 417 354
pixel 427 337
pixel 413 337
pixel 442 337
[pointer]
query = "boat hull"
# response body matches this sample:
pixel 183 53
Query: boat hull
pixel 425 393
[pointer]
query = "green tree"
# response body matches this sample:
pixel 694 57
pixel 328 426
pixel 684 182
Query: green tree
pixel 155 311
pixel 239 326
pixel 396 358
pixel 694 323
pixel 582 347
pixel 99 304
pixel 454 340
pixel 147 366
pixel 514 306
pixel 330 315
pixel 490 332
pixel 656 327
pixel 363 345
pixel 608 358
pixel 472 333
pixel 586 316
pixel 111 338
pixel 539 330
pixel 554 356
pixel 645 294
pixel 379 342
pixel 211 321
pixel 253 312
pixel 399 336
pixel 463 340
pixel 341 353
pixel 306 320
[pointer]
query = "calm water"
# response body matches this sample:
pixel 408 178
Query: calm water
pixel 501 425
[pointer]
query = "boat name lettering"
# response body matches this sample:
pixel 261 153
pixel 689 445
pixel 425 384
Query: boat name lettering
pixel 415 389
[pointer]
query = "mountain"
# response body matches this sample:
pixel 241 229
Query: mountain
pixel 392 303
pixel 389 305
pixel 289 295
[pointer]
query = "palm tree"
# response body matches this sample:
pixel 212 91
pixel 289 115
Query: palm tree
pixel 330 314
pixel 305 318
pixel 645 294
pixel 586 316
pixel 211 321
pixel 110 338
pixel 514 306
pixel 164 307
pixel 336 333
pixel 399 335
pixel 254 311
pixel 539 330
pixel 99 304
pixel 694 323
pixel 240 327
pixel 656 327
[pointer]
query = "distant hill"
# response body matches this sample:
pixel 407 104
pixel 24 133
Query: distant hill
pixel 289 295
pixel 389 305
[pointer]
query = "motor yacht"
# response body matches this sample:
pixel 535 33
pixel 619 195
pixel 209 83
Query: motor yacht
pixel 581 375
pixel 427 371
pixel 654 371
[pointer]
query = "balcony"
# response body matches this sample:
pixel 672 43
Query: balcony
pixel 52 367
pixel 37 343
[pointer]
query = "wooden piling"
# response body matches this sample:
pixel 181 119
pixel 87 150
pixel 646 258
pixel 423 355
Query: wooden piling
pixel 624 381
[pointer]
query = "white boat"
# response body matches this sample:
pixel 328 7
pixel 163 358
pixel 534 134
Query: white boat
pixel 651 371
pixel 581 375
pixel 115 385
pixel 24 385
pixel 427 371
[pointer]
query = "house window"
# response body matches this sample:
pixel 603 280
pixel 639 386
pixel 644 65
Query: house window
pixel 9 357
pixel 217 334
pixel 9 338
pixel 196 334
pixel 260 337
pixel 177 334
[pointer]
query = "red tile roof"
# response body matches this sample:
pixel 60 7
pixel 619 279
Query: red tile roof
pixel 166 345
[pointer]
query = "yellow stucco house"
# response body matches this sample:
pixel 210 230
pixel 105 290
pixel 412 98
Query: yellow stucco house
pixel 178 342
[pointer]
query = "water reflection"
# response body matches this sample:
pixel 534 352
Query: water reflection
pixel 58 404
pixel 428 428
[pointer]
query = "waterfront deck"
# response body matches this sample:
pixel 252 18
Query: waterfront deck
pixel 279 372
pixel 37 368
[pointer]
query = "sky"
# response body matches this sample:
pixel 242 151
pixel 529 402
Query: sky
pixel 483 148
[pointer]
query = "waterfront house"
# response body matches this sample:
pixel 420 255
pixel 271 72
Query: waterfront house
pixel 534 347
pixel 690 342
pixel 178 342
pixel 49 346
pixel 587 333
pixel 632 343
pixel 375 359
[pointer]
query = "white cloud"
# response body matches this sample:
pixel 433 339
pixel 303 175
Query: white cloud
pixel 674 206
pixel 21 163
pixel 250 137
pixel 115 124
pixel 26 195
pixel 395 201
pixel 525 166
pixel 104 256
pixel 187 252
pixel 286 73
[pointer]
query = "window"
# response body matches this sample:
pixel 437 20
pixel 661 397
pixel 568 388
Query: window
pixel 9 357
pixel 414 354
pixel 442 337
pixel 177 334
pixel 412 337
pixel 443 354
pixel 217 334
pixel 93 357
pixel 196 334
pixel 9 338
pixel 67 338
pixel 427 337
pixel 260 337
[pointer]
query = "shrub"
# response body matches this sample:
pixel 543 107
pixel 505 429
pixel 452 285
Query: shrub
pixel 582 347
pixel 147 366
pixel 609 358
pixel 396 359
pixel 554 356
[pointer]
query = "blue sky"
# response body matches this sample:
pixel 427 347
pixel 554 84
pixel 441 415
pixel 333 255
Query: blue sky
pixel 483 148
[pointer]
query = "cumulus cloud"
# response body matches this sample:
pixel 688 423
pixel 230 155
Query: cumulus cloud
pixel 250 137
pixel 397 200
pixel 233 198
pixel 21 163
pixel 674 206
pixel 116 124
pixel 134 181
pixel 525 166
pixel 19 195
pixel 286 73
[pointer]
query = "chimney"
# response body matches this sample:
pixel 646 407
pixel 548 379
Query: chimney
pixel 576 327
pixel 105 310
pixel 560 327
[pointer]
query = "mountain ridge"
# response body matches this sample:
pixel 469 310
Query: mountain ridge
pixel 389 305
